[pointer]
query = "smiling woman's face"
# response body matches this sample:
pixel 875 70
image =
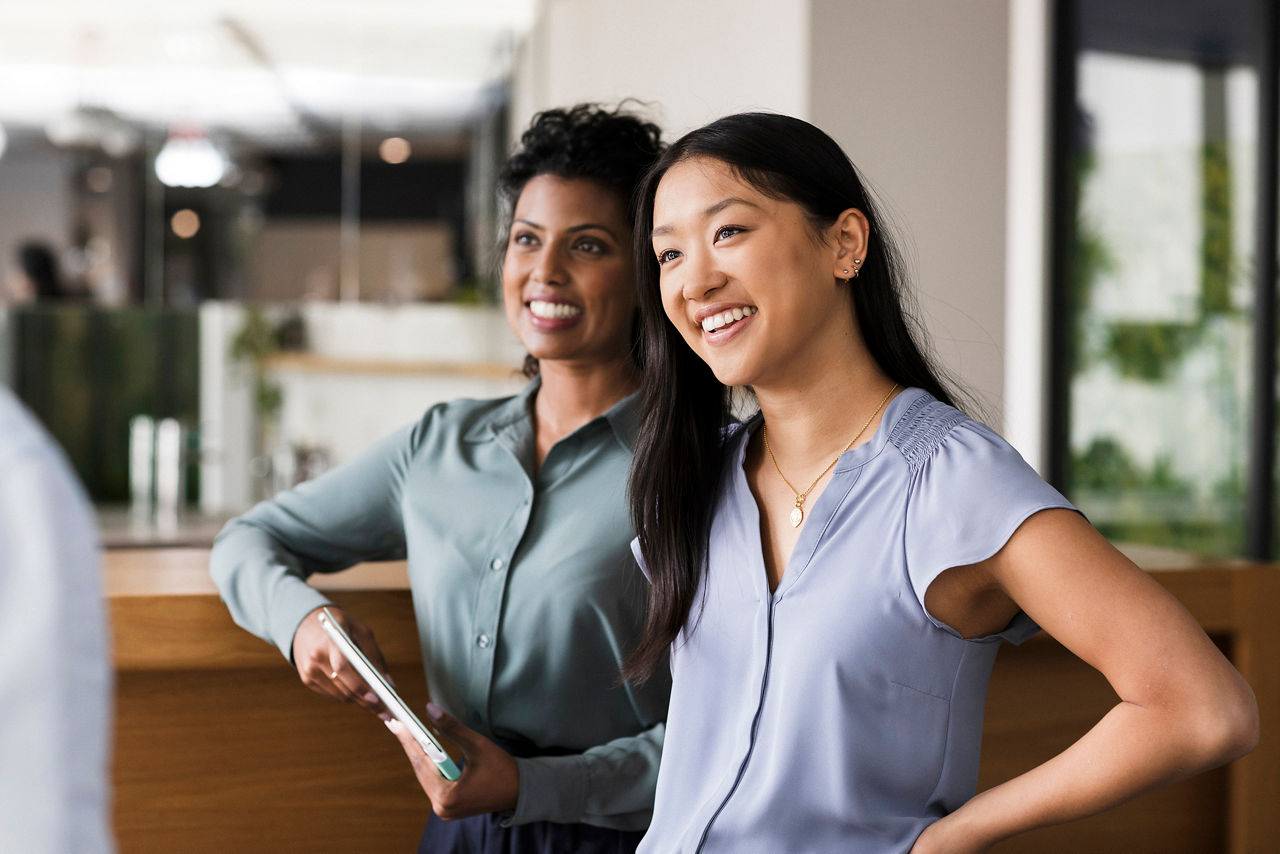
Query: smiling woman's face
pixel 567 277
pixel 745 278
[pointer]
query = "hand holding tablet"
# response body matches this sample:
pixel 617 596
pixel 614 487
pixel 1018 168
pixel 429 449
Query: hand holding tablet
pixel 395 705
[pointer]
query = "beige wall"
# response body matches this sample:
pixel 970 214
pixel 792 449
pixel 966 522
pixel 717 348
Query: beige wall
pixel 695 59
pixel 915 91
pixel 398 262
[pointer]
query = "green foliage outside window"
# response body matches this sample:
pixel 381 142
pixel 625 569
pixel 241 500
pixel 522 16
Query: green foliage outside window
pixel 1126 500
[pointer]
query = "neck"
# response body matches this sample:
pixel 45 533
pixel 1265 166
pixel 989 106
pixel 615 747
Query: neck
pixel 810 423
pixel 573 393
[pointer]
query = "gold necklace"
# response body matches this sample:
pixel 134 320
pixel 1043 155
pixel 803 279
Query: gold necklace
pixel 797 513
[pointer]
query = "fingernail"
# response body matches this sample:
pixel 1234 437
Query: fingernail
pixel 393 725
pixel 384 717
pixel 370 697
pixel 434 710
pixel 387 676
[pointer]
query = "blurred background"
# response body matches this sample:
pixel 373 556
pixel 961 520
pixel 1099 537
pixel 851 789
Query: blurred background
pixel 239 241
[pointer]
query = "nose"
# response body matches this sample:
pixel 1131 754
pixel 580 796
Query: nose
pixel 549 267
pixel 701 276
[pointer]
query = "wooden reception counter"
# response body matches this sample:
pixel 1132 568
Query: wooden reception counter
pixel 219 747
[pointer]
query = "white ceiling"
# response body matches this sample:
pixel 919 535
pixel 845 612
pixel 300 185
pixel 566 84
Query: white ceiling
pixel 263 73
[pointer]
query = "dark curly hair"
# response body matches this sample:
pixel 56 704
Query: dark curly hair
pixel 612 147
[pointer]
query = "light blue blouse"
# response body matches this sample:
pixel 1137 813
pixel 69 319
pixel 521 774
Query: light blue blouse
pixel 836 714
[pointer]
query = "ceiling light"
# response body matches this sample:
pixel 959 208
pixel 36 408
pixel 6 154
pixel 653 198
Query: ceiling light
pixel 4 140
pixel 189 159
pixel 394 150
pixel 185 223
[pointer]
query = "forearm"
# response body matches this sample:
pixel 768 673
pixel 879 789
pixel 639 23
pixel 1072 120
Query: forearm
pixel 1183 707
pixel 1132 750
pixel 261 560
pixel 262 584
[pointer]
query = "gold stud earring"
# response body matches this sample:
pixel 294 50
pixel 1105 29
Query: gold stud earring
pixel 857 262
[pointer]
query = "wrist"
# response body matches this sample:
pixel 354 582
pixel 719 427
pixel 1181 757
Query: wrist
pixel 550 788
pixel 969 828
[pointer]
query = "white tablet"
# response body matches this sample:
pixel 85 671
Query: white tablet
pixel 396 706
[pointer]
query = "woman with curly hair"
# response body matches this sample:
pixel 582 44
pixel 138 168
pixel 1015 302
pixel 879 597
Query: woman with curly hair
pixel 512 517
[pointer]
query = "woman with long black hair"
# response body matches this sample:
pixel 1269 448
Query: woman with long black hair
pixel 832 578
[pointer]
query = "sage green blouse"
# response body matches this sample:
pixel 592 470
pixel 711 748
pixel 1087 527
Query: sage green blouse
pixel 526 592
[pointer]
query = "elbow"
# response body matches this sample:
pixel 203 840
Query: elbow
pixel 1247 727
pixel 1230 727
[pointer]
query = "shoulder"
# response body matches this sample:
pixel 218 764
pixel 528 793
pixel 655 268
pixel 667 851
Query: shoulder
pixel 468 419
pixel 28 454
pixel 963 471
pixel 931 434
pixel 37 483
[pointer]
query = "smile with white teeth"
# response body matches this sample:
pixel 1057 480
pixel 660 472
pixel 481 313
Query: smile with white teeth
pixel 717 322
pixel 553 310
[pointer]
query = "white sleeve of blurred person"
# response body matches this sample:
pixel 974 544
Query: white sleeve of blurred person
pixel 55 677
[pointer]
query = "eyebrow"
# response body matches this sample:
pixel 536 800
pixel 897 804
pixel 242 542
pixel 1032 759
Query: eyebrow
pixel 586 226
pixel 660 230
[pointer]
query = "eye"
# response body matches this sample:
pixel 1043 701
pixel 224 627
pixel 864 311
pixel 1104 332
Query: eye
pixel 667 255
pixel 524 238
pixel 724 232
pixel 591 245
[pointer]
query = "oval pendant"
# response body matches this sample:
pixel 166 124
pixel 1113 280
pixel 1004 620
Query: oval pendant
pixel 797 516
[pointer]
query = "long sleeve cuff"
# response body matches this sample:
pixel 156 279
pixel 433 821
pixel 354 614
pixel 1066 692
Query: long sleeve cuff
pixel 291 607
pixel 552 788
pixel 610 785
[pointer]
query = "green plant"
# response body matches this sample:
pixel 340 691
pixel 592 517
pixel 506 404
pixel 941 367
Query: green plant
pixel 253 343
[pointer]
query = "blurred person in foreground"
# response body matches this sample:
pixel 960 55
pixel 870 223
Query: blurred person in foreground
pixel 512 516
pixel 55 677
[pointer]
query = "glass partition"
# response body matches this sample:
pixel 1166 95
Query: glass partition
pixel 1160 291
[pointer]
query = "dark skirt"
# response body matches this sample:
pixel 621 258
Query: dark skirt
pixel 484 834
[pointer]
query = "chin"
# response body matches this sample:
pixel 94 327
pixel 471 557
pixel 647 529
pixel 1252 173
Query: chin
pixel 732 375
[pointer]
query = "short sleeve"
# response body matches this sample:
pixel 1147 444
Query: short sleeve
pixel 968 497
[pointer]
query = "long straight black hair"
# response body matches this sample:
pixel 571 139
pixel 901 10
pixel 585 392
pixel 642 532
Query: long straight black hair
pixel 677 469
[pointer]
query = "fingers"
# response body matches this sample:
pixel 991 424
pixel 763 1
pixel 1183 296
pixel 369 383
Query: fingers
pixel 423 768
pixel 490 779
pixel 363 636
pixel 460 741
pixel 447 725
pixel 323 668
pixel 407 741
pixel 313 654
pixel 342 676
pixel 351 686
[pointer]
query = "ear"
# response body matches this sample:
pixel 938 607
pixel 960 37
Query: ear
pixel 850 236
